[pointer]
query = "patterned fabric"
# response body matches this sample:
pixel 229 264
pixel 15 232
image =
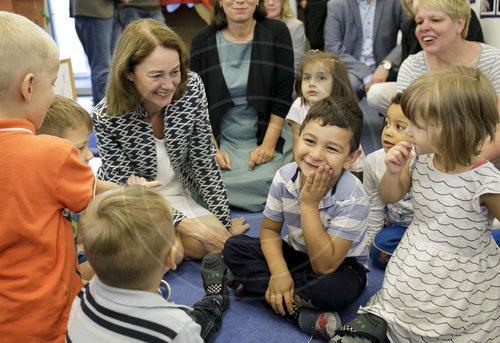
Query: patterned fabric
pixel 416 65
pixel 106 314
pixel 127 147
pixel 443 282
pixel 343 210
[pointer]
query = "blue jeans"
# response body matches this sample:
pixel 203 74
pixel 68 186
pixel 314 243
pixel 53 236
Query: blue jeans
pixel 98 37
pixel 131 13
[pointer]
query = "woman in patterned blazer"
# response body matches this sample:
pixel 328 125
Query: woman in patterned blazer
pixel 154 123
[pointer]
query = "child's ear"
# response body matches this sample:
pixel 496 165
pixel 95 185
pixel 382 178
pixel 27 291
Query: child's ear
pixel 353 156
pixel 27 86
pixel 170 259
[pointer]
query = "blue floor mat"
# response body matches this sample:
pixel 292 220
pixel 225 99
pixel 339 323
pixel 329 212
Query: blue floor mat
pixel 249 319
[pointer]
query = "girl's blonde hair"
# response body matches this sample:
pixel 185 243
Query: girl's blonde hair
pixel 127 233
pixel 286 10
pixel 138 40
pixel 461 103
pixel 24 48
pixel 455 9
pixel 341 85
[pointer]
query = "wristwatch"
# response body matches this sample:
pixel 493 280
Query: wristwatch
pixel 386 64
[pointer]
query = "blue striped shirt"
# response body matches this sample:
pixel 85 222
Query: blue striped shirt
pixel 343 211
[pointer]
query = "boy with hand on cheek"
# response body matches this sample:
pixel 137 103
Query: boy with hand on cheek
pixel 321 264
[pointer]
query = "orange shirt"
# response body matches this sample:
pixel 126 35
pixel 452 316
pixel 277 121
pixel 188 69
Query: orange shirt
pixel 39 176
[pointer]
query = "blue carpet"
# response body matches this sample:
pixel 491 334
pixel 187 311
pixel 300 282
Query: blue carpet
pixel 249 319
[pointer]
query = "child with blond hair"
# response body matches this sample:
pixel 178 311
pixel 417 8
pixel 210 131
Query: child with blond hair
pixel 66 119
pixel 40 177
pixel 121 302
pixel 442 283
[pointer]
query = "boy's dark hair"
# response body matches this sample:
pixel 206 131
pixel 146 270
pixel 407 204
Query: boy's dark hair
pixel 343 112
pixel 396 100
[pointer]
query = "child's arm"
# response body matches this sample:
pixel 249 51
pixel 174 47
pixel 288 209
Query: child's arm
pixel 103 186
pixel 281 285
pixel 295 131
pixel 326 252
pixel 396 181
pixel 492 202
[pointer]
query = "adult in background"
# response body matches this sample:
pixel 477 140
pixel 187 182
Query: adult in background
pixel 98 28
pixel 136 9
pixel 379 96
pixel 363 34
pixel 280 10
pixel 246 63
pixel 315 15
pixel 154 123
pixel 442 27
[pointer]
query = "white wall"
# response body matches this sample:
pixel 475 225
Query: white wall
pixel 490 26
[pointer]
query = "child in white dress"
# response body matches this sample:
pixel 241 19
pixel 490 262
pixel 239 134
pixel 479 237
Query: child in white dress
pixel 443 282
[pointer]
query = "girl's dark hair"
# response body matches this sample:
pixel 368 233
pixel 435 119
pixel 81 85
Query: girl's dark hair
pixel 218 17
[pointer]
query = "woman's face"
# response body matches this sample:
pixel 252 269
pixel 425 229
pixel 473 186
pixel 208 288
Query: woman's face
pixel 238 11
pixel 156 78
pixel 435 30
pixel 273 8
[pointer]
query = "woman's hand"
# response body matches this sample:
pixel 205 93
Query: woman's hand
pixel 260 155
pixel 137 180
pixel 223 160
pixel 281 287
pixel 238 226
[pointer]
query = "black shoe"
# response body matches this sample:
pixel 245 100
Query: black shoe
pixel 214 275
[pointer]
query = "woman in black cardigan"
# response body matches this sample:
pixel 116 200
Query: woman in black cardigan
pixel 246 64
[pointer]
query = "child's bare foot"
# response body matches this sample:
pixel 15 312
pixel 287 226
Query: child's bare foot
pixel 238 226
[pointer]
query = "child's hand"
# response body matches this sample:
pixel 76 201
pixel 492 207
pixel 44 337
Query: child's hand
pixel 316 186
pixel 281 287
pixel 136 180
pixel 396 157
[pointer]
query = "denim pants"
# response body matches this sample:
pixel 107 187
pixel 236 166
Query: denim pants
pixel 208 314
pixel 98 37
pixel 131 13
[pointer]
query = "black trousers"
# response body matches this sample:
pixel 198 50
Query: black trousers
pixel 315 13
pixel 208 314
pixel 330 292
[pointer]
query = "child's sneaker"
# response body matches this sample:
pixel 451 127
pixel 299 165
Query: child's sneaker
pixel 315 322
pixel 164 289
pixel 214 275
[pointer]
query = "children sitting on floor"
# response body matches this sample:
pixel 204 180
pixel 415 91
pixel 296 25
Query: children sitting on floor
pixel 39 176
pixel 321 264
pixel 121 303
pixel 387 222
pixel 442 283
pixel 66 119
pixel 321 74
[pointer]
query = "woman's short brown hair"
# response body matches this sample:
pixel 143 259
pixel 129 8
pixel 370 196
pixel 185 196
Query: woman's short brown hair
pixel 218 18
pixel 461 103
pixel 138 40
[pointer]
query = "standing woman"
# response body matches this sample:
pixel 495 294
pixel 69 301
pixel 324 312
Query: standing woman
pixel 442 27
pixel 246 63
pixel 154 123
pixel 280 10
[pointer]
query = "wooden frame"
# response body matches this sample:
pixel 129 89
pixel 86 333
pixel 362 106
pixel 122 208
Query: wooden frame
pixel 65 83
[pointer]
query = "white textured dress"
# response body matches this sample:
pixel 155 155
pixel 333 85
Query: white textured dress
pixel 443 282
